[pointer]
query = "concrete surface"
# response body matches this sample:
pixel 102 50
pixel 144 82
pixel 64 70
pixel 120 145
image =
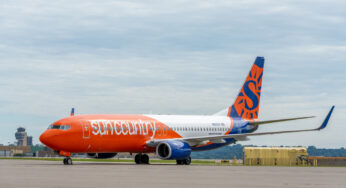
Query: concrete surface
pixel 29 173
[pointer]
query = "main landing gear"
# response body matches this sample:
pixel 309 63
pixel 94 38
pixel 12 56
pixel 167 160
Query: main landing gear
pixel 186 161
pixel 142 159
pixel 67 161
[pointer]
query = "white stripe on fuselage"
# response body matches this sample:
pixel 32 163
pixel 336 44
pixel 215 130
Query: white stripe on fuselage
pixel 192 126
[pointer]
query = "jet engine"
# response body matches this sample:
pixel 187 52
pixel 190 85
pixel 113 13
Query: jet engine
pixel 101 155
pixel 173 150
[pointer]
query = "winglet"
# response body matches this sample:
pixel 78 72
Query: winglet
pixel 72 112
pixel 325 122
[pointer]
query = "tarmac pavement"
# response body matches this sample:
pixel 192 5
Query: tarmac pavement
pixel 31 173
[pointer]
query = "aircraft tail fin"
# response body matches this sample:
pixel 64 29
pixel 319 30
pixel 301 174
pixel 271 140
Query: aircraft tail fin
pixel 246 105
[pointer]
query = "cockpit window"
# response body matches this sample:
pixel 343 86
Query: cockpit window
pixel 54 126
pixel 64 127
pixel 61 127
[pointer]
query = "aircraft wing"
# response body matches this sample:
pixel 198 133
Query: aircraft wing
pixel 219 138
pixel 277 120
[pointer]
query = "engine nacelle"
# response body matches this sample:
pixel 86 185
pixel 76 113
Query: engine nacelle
pixel 101 155
pixel 173 150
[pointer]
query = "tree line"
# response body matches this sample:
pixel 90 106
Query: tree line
pixel 229 152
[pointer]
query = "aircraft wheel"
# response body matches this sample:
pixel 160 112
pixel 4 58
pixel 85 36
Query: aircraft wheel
pixel 138 158
pixel 145 159
pixel 67 161
pixel 179 162
pixel 187 161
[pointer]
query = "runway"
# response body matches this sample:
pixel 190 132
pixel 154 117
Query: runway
pixel 30 173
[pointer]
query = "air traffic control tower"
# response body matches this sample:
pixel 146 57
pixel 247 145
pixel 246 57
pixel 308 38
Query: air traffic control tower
pixel 22 138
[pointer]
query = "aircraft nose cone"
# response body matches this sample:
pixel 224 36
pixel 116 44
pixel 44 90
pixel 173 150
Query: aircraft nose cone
pixel 44 138
pixel 50 139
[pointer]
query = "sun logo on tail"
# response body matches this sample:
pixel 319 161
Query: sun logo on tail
pixel 247 103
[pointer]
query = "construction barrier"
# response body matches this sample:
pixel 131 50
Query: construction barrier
pixel 275 156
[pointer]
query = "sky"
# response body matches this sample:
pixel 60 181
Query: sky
pixel 173 57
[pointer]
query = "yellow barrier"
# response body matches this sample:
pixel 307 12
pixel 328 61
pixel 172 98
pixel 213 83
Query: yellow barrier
pixel 275 156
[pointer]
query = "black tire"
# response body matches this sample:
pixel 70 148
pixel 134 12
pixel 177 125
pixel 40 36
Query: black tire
pixel 188 160
pixel 65 161
pixel 138 158
pixel 145 159
pixel 179 162
pixel 69 161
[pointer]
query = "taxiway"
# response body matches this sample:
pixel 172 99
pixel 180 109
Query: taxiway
pixel 31 173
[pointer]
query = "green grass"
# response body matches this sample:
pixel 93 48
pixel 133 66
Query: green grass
pixel 153 161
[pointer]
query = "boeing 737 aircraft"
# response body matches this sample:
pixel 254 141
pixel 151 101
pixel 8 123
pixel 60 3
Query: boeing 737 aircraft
pixel 171 137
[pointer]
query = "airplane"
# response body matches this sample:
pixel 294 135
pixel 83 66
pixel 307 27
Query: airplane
pixel 171 137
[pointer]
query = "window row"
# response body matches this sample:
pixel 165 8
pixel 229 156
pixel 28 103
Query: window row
pixel 165 129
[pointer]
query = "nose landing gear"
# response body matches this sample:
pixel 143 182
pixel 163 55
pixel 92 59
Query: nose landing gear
pixel 67 161
pixel 142 159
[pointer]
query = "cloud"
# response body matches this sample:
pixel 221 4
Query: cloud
pixel 176 57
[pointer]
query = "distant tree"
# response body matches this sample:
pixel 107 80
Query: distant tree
pixel 228 152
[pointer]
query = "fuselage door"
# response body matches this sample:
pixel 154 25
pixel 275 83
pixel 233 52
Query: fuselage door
pixel 86 129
